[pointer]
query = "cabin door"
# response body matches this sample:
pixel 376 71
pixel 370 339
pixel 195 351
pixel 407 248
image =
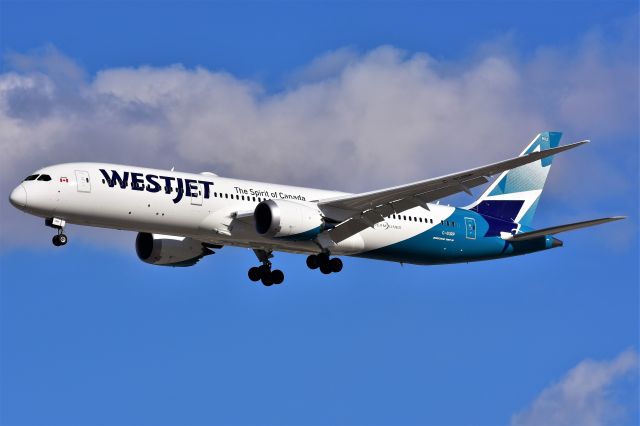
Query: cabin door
pixel 82 178
pixel 470 226
pixel 196 194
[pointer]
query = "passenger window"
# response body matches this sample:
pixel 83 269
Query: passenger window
pixel 404 217
pixel 431 220
pixel 45 178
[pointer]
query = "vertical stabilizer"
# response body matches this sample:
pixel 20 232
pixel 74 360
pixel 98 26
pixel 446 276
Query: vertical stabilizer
pixel 515 193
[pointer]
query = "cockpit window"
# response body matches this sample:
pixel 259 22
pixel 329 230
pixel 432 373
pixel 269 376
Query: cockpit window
pixel 44 177
pixel 32 177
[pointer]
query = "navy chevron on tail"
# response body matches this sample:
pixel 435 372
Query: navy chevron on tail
pixel 514 195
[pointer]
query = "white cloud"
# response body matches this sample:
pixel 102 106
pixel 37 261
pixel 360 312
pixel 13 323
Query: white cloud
pixel 585 395
pixel 350 121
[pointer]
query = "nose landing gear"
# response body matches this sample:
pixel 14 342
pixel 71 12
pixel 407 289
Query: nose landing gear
pixel 326 264
pixel 264 273
pixel 60 239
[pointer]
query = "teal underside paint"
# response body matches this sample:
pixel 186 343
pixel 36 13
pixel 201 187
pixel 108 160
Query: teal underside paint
pixel 438 246
pixel 303 236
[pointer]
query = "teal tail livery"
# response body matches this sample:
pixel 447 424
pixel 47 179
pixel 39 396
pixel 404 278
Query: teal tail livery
pixel 515 193
pixel 181 217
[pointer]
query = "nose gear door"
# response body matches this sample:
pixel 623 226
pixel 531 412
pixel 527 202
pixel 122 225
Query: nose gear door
pixel 82 178
pixel 470 226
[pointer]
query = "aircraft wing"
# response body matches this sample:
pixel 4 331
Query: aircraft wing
pixel 359 211
pixel 561 228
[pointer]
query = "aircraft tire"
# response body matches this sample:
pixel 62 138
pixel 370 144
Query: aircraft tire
pixel 325 269
pixel 323 259
pixel 56 240
pixel 312 262
pixel 62 239
pixel 335 264
pixel 277 276
pixel 254 274
pixel 267 281
pixel 264 270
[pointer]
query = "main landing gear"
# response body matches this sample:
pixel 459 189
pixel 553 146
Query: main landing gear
pixel 264 273
pixel 326 264
pixel 60 239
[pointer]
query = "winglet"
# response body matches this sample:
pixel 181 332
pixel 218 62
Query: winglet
pixel 552 151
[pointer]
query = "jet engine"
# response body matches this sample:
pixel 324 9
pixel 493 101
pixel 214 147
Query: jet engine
pixel 167 250
pixel 287 219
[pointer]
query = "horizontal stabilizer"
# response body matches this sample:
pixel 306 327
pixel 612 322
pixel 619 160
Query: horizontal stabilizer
pixel 562 228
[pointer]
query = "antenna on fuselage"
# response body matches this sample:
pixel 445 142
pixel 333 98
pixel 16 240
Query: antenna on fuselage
pixel 173 168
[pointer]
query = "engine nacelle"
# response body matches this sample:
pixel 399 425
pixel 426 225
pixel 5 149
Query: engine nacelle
pixel 167 250
pixel 288 219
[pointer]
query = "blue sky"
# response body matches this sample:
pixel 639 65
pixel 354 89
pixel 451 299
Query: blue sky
pixel 91 335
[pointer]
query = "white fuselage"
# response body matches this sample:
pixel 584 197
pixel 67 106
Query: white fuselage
pixel 212 210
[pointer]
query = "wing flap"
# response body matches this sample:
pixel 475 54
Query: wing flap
pixel 346 229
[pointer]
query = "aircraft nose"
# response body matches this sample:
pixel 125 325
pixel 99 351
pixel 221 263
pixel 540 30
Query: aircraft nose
pixel 18 196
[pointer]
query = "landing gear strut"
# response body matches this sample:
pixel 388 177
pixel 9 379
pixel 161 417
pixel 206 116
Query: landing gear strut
pixel 326 264
pixel 60 239
pixel 264 273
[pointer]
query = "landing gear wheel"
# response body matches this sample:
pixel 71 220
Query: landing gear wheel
pixel 335 264
pixel 254 274
pixel 266 280
pixel 323 259
pixel 325 268
pixel 56 240
pixel 62 239
pixel 265 271
pixel 277 276
pixel 312 262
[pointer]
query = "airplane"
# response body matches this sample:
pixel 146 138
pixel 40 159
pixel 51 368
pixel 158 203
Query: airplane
pixel 182 217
